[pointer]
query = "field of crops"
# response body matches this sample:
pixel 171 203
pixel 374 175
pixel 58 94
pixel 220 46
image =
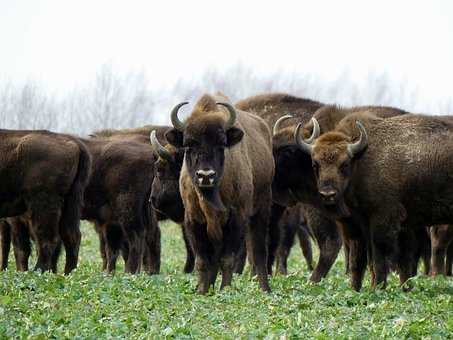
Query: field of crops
pixel 90 304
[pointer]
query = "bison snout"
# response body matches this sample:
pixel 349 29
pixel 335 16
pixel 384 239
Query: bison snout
pixel 205 178
pixel 329 195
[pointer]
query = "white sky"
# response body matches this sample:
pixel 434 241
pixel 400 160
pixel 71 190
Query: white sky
pixel 63 43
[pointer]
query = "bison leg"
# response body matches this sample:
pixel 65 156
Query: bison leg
pixel 449 260
pixel 240 257
pixel 328 240
pixel 190 256
pixel 45 224
pixel 151 257
pixel 112 239
pixel 274 234
pixel 257 246
pixel 102 245
pixel 21 243
pixel 288 233
pixel 205 255
pixel 383 247
pixel 55 257
pixel 354 237
pixel 233 239
pixel 71 237
pixel 5 243
pixel 305 245
pixel 407 255
pixel 438 252
pixel 347 270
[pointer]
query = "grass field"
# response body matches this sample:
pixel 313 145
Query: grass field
pixel 90 304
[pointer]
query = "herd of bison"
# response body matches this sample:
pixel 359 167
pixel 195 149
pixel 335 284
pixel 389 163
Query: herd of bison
pixel 242 180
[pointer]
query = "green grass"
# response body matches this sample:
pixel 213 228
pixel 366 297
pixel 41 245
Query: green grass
pixel 90 304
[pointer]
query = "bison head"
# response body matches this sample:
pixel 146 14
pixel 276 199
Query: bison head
pixel 165 196
pixel 332 157
pixel 204 139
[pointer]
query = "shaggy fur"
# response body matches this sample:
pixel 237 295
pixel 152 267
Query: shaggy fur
pixel 43 178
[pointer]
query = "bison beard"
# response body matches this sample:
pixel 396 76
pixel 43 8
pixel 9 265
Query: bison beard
pixel 212 197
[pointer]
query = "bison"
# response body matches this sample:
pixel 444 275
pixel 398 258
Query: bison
pixel 43 176
pixel 116 201
pixel 295 180
pixel 225 186
pixel 383 176
pixel 166 197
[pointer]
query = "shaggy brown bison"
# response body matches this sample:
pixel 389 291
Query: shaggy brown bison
pixel 43 178
pixel 442 249
pixel 225 185
pixel 376 174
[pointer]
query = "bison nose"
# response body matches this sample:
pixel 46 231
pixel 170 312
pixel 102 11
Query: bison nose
pixel 328 195
pixel 205 178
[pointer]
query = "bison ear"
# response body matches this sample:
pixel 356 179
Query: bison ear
pixel 174 137
pixel 234 136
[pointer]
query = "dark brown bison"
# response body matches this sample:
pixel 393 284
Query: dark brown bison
pixel 384 176
pixel 442 249
pixel 43 178
pixel 295 181
pixel 168 208
pixel 225 186
pixel 116 201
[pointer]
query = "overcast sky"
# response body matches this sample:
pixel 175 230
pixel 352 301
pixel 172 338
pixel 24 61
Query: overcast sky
pixel 63 43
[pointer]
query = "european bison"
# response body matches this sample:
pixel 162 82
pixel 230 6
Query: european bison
pixel 225 185
pixel 166 196
pixel 116 201
pixel 43 176
pixel 295 180
pixel 384 175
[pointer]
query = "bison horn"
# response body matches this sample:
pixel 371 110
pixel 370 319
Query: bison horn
pixel 232 112
pixel 278 123
pixel 158 148
pixel 177 124
pixel 307 146
pixel 361 144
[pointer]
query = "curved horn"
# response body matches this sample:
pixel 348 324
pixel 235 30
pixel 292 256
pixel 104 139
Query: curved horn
pixel 278 123
pixel 361 144
pixel 307 146
pixel 160 150
pixel 232 112
pixel 177 124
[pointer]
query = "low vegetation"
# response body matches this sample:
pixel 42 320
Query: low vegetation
pixel 90 304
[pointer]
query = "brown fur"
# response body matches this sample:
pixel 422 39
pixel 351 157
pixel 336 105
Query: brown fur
pixel 43 177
